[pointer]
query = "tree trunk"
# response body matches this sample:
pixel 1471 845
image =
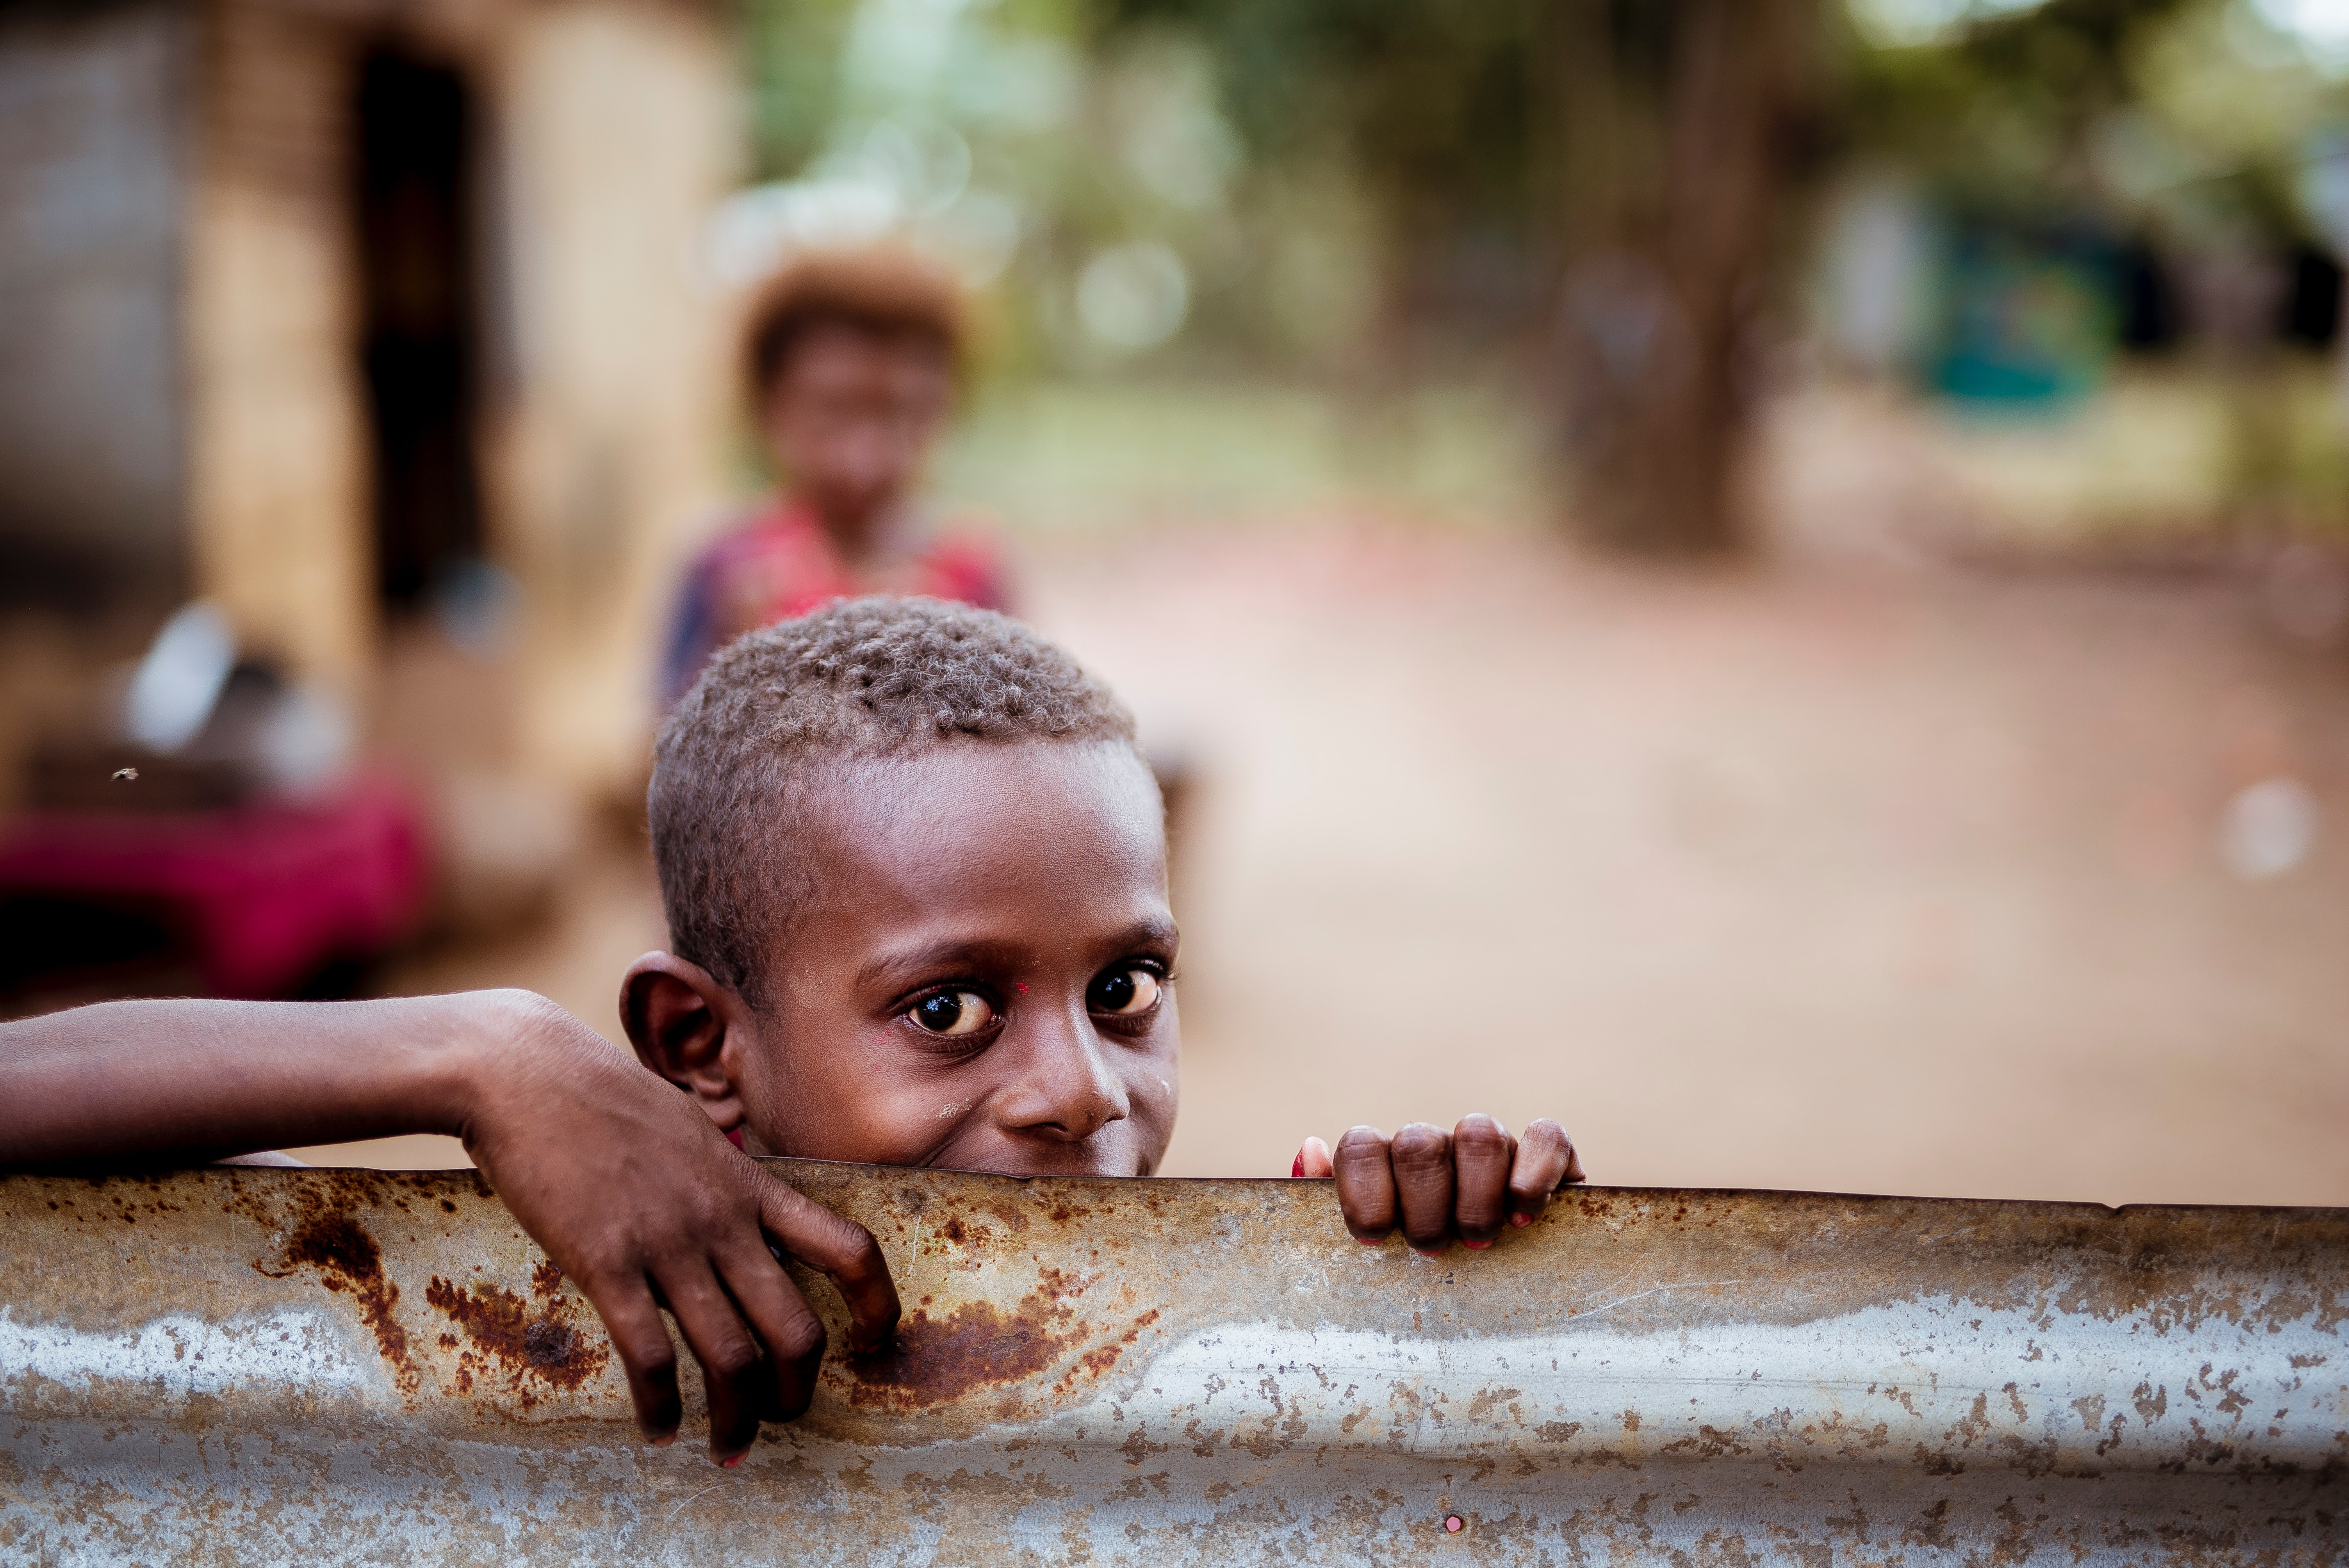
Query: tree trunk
pixel 1674 130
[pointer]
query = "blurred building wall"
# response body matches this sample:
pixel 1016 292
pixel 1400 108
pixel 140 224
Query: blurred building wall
pixel 185 406
pixel 92 106
pixel 620 135
pixel 277 456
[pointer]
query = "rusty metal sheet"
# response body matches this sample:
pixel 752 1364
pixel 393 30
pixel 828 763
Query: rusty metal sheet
pixel 279 1367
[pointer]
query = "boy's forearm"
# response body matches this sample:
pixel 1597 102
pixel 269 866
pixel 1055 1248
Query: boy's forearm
pixel 178 1082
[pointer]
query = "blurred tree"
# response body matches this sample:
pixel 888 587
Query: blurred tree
pixel 1431 111
pixel 1680 130
pixel 1603 180
pixel 791 48
pixel 2184 123
pixel 2004 113
pixel 1606 195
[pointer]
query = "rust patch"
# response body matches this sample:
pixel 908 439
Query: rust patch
pixel 976 1345
pixel 501 1326
pixel 347 1259
pixel 1057 1284
pixel 972 1237
pixel 1095 1362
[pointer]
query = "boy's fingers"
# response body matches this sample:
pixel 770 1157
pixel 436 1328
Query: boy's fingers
pixel 647 1355
pixel 842 1249
pixel 789 1330
pixel 738 1381
pixel 1366 1188
pixel 1424 1187
pixel 1545 1162
pixel 1312 1161
pixel 1482 1150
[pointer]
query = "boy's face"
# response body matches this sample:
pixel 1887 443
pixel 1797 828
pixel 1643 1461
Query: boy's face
pixel 850 415
pixel 979 979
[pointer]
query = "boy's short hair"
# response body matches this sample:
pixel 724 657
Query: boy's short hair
pixel 861 677
pixel 885 292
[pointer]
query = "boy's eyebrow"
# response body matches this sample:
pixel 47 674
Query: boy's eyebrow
pixel 985 952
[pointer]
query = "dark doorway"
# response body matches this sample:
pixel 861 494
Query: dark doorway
pixel 2312 304
pixel 419 327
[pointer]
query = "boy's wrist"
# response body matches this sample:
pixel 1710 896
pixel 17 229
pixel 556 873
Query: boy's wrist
pixel 486 1039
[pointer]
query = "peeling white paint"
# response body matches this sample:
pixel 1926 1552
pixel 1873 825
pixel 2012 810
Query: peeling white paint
pixel 1870 1384
pixel 301 1350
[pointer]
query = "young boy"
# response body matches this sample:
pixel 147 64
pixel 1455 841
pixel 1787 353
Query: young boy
pixel 915 882
pixel 850 362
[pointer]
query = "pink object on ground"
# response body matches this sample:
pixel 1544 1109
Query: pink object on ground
pixel 262 893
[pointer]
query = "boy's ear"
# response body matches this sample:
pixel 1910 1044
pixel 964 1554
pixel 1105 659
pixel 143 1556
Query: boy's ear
pixel 679 1017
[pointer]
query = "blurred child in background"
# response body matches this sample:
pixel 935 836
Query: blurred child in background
pixel 851 361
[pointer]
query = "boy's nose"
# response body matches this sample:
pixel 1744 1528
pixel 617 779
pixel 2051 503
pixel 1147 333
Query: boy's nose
pixel 1068 1089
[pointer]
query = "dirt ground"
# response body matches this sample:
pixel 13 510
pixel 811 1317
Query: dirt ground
pixel 1859 871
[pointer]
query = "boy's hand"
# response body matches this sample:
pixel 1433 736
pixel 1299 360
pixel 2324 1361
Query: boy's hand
pixel 631 1190
pixel 1468 1183
pixel 637 1197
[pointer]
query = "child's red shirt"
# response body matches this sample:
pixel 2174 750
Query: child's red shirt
pixel 781 564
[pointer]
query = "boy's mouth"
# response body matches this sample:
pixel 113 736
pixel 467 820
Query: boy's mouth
pixel 1058 1159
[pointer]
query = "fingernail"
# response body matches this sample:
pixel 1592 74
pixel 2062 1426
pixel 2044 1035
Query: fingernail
pixel 1429 1252
pixel 730 1464
pixel 1370 1241
pixel 662 1441
pixel 1297 1167
pixel 1474 1246
pixel 1521 1218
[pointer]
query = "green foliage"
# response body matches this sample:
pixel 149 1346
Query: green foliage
pixel 1411 163
pixel 790 50
pixel 1435 104
pixel 2138 112
pixel 2000 115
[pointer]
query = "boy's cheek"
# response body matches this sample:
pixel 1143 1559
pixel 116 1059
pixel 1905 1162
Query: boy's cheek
pixel 1160 1093
pixel 871 1135
pixel 847 1108
pixel 1166 1071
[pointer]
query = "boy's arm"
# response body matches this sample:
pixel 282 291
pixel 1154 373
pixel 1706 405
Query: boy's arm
pixel 1436 1185
pixel 630 1189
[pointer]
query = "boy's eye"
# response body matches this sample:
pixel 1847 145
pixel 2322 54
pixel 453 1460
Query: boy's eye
pixel 953 1013
pixel 1126 991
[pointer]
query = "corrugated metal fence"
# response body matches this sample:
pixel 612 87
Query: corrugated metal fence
pixel 269 1366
